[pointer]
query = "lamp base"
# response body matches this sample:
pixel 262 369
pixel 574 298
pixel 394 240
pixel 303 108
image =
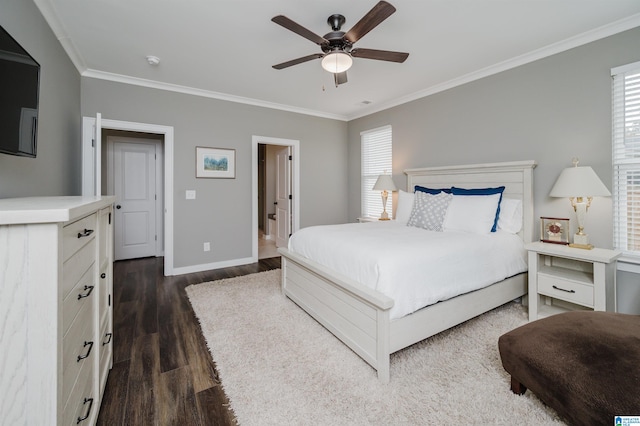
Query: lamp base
pixel 581 241
pixel 384 216
pixel 581 246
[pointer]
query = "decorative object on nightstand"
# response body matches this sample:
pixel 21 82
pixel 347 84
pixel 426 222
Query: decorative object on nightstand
pixel 384 184
pixel 365 219
pixel 580 185
pixel 554 230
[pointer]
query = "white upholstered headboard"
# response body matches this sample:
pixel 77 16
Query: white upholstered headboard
pixel 516 176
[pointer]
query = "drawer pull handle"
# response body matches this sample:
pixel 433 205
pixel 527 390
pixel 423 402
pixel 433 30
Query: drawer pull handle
pixel 86 415
pixel 109 335
pixel 86 287
pixel 562 289
pixel 103 275
pixel 85 233
pixel 81 357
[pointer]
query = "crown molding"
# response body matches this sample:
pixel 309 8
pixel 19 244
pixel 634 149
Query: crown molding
pixel 51 16
pixel 119 78
pixel 625 24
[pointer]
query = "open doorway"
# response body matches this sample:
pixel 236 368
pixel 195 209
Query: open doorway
pixel 92 169
pixel 276 203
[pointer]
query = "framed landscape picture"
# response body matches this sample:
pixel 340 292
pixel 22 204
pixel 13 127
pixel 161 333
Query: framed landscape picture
pixel 215 163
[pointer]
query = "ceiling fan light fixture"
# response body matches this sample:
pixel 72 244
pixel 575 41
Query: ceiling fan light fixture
pixel 337 62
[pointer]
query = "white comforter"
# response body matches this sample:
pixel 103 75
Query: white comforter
pixel 414 267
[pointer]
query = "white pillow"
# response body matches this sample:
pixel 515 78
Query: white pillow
pixel 472 213
pixel 429 210
pixel 510 219
pixel 405 205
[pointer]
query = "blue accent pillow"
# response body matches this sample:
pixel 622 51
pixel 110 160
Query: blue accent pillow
pixel 482 191
pixel 433 191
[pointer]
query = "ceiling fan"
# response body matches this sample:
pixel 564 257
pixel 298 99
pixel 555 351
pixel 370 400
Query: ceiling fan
pixel 337 46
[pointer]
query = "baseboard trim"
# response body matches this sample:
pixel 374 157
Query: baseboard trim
pixel 215 265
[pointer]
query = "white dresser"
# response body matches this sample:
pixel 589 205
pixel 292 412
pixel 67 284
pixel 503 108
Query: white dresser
pixel 56 256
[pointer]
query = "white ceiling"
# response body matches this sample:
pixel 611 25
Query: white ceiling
pixel 225 48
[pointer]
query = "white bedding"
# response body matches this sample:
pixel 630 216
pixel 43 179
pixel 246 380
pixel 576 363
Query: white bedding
pixel 414 267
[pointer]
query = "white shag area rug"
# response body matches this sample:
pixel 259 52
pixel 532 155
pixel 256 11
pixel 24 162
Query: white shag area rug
pixel 278 366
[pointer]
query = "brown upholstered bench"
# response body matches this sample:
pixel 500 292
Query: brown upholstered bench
pixel 585 365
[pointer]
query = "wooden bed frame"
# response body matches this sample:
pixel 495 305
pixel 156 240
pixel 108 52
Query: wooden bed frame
pixel 359 316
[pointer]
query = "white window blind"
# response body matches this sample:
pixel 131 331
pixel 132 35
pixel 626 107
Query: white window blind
pixel 626 158
pixel 376 155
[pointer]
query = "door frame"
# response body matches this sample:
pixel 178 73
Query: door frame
pixel 92 166
pixel 295 185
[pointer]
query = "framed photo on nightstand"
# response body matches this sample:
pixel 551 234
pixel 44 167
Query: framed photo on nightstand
pixel 554 230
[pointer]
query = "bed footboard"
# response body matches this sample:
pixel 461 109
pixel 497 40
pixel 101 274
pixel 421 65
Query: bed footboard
pixel 355 314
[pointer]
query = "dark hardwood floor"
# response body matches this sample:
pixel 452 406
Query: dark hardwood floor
pixel 162 371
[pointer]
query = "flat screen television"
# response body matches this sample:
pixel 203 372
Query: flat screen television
pixel 19 89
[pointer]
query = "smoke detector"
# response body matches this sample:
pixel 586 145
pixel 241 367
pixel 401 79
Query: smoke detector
pixel 153 60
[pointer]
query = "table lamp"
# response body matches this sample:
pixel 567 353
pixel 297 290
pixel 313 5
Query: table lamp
pixel 580 185
pixel 384 184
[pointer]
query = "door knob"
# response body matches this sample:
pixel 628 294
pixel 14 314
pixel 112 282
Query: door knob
pixel 118 206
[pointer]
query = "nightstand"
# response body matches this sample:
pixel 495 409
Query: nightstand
pixel 563 278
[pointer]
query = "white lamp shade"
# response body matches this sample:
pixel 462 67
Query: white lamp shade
pixel 384 183
pixel 337 62
pixel 579 182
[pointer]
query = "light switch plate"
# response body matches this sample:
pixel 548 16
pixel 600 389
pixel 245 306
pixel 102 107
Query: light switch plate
pixel 190 194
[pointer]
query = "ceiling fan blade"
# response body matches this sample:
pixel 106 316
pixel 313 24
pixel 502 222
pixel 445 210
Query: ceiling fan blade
pixel 379 13
pixel 298 61
pixel 299 29
pixel 380 55
pixel 340 78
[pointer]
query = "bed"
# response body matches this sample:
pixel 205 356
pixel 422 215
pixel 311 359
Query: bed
pixel 361 317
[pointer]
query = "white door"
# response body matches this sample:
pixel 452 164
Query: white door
pixel 134 178
pixel 283 197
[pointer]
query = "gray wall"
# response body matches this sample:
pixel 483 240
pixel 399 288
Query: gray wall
pixel 222 211
pixel 56 169
pixel 549 110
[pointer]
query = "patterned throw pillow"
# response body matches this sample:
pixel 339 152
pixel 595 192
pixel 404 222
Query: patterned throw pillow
pixel 429 210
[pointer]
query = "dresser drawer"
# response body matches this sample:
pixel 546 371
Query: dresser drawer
pixel 76 266
pixel 78 348
pixel 83 403
pixel 566 290
pixel 82 294
pixel 76 234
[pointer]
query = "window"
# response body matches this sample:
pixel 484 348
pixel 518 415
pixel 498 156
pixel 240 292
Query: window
pixel 376 159
pixel 626 158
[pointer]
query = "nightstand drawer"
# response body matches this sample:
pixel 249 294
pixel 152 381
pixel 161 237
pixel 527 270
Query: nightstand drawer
pixel 567 290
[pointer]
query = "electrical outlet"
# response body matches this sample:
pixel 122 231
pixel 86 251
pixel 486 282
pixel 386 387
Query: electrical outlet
pixel 207 246
pixel 190 194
